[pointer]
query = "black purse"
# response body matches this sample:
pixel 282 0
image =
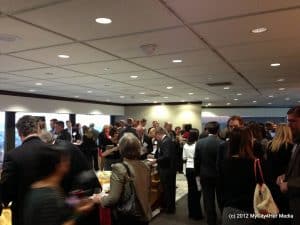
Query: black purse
pixel 128 208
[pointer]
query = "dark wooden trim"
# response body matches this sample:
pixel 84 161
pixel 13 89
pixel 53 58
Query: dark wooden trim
pixel 163 103
pixel 245 107
pixel 59 98
pixel 9 142
pixel 24 94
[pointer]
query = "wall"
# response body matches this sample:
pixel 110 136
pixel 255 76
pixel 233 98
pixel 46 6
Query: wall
pixel 25 104
pixel 176 114
pixel 246 112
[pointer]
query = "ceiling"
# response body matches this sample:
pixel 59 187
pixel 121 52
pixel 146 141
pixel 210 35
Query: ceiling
pixel 213 39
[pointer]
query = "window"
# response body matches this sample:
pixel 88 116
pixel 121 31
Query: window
pixel 48 117
pixel 2 136
pixel 98 120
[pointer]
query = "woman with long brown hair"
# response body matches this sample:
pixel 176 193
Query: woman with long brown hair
pixel 237 181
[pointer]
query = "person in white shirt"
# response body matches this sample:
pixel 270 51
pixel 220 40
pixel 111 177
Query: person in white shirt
pixel 194 188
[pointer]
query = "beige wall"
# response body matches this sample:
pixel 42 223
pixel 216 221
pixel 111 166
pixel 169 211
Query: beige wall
pixel 251 112
pixel 176 114
pixel 25 104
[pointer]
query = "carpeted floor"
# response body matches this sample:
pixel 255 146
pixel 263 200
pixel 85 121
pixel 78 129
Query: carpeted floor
pixel 180 218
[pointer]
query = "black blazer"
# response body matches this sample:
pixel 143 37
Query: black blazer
pixel 206 156
pixel 19 172
pixel 64 135
pixel 166 155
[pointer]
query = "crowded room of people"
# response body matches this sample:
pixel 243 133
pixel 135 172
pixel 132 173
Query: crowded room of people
pixel 149 112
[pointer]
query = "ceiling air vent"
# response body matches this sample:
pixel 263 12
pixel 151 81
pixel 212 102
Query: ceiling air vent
pixel 218 84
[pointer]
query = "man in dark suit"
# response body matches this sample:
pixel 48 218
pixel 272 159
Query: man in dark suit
pixel 205 167
pixel 19 168
pixel 145 141
pixel 290 182
pixel 128 128
pixel 165 157
pixel 62 134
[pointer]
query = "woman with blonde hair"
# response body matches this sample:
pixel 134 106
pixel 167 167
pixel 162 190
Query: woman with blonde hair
pixel 279 152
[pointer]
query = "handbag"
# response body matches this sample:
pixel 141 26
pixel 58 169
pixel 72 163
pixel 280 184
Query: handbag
pixel 6 216
pixel 263 201
pixel 128 207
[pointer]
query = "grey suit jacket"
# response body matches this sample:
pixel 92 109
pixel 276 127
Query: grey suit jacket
pixel 293 174
pixel 206 156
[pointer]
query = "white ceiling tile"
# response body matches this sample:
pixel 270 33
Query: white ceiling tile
pixel 78 54
pixel 77 18
pixel 27 37
pixel 9 63
pixel 163 41
pixel 281 25
pixel 203 10
pixel 125 77
pixel 48 73
pixel 262 50
pixel 117 66
pixel 13 6
pixel 193 58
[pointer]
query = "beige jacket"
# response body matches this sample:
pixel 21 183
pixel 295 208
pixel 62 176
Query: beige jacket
pixel 142 180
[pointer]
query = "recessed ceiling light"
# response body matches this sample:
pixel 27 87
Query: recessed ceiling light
pixel 89 92
pixel 206 98
pixel 281 89
pixel 76 96
pixel 122 96
pixel 134 76
pixel 146 100
pixel 287 98
pixel 64 56
pixel 38 84
pixel 32 90
pixel 142 93
pixel 166 97
pixel 103 20
pixel 275 64
pixel 177 60
pixel 182 100
pixel 154 102
pixel 209 104
pixel 169 87
pixel 254 101
pixel 271 96
pixel 191 93
pixel 107 69
pixel 239 94
pixel 280 80
pixel 107 100
pixel 259 30
pixel 269 103
pixel 299 101
pixel 226 88
pixel 228 103
pixel 235 99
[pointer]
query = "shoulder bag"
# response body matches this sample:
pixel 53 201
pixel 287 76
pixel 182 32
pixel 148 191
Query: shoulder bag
pixel 128 207
pixel 263 201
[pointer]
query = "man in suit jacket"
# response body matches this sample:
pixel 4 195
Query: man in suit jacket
pixel 205 167
pixel 165 157
pixel 19 167
pixel 291 181
pixel 62 134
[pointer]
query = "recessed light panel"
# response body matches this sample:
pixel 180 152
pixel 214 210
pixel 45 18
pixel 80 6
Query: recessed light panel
pixel 177 60
pixel 103 20
pixel 259 30
pixel 275 64
pixel 64 56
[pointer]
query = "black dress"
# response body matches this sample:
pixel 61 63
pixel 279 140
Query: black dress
pixel 277 164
